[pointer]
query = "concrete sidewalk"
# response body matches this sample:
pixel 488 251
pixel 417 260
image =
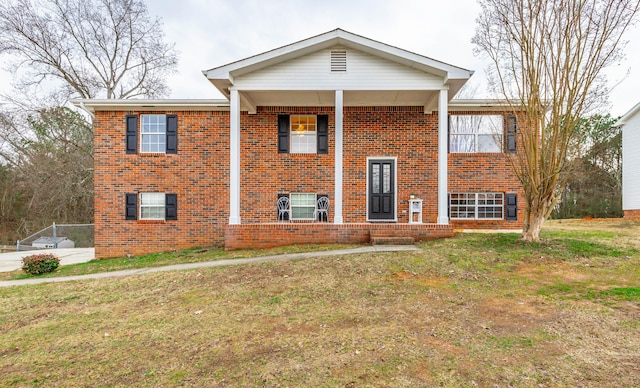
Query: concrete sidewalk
pixel 218 263
pixel 12 261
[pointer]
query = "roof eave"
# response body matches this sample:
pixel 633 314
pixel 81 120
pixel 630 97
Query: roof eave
pixel 92 105
pixel 627 116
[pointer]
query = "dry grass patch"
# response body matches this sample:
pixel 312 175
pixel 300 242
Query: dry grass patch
pixel 468 311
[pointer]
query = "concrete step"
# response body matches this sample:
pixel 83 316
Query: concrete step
pixel 389 240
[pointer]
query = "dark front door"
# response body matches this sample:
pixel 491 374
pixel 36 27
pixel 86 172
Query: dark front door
pixel 382 186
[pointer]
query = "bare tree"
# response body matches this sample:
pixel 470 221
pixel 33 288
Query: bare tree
pixel 90 48
pixel 547 59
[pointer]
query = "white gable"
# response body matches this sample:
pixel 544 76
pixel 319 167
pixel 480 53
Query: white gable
pixel 363 72
pixel 300 74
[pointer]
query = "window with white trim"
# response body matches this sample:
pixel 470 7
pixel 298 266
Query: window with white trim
pixel 303 206
pixel 476 133
pixel 153 133
pixel 476 206
pixel 303 134
pixel 152 206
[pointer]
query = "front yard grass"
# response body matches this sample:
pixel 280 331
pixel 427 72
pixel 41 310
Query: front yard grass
pixel 473 310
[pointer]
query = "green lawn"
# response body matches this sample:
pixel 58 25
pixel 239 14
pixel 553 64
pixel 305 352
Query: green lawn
pixel 474 310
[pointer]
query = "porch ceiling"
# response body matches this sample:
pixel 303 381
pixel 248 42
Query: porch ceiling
pixel 426 98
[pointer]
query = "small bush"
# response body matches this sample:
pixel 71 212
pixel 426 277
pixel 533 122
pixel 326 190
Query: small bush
pixel 39 264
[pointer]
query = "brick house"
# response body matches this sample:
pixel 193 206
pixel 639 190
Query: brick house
pixel 369 127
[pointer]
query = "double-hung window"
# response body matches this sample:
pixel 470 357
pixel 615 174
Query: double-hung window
pixel 303 206
pixel 476 133
pixel 480 206
pixel 153 133
pixel 303 134
pixel 152 206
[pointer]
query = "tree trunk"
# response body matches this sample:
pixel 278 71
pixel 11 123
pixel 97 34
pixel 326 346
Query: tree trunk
pixel 535 216
pixel 531 231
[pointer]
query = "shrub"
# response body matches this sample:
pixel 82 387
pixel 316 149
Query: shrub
pixel 39 264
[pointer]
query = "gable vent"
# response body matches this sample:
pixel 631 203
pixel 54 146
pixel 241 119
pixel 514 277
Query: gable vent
pixel 339 60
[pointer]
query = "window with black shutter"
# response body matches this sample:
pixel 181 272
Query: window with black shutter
pixel 131 207
pixel 172 134
pixel 171 207
pixel 303 134
pixel 323 134
pixel 512 131
pixel 283 134
pixel 512 207
pixel 131 141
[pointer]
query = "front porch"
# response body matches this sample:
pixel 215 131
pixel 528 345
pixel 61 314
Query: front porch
pixel 257 236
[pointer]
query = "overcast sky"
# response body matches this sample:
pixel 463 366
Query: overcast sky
pixel 211 33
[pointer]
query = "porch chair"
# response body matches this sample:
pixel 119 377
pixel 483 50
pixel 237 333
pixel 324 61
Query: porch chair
pixel 284 212
pixel 322 209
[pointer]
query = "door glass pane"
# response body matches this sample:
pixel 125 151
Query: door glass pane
pixel 386 178
pixel 375 178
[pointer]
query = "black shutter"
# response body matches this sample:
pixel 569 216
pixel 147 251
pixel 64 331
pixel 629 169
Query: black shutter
pixel 512 207
pixel 131 207
pixel 172 134
pixel 132 134
pixel 286 215
pixel 323 134
pixel 449 205
pixel 283 134
pixel 512 130
pixel 171 207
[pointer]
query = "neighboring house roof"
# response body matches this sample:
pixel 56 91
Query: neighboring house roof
pixel 627 116
pixel 49 240
pixel 227 76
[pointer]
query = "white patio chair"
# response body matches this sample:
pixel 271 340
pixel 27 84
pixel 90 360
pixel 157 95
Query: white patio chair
pixel 322 209
pixel 284 212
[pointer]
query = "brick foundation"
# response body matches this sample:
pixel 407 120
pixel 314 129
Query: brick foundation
pixel 259 236
pixel 632 215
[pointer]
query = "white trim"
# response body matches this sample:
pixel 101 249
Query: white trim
pixel 338 162
pixel 627 116
pixel 92 106
pixel 234 159
pixel 395 189
pixel 443 142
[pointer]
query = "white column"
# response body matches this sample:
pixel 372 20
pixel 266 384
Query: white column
pixel 337 211
pixel 443 146
pixel 234 158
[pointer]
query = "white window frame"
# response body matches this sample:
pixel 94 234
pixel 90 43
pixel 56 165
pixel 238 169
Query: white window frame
pixel 147 201
pixel 303 134
pixel 476 127
pixel 153 125
pixel 474 201
pixel 293 204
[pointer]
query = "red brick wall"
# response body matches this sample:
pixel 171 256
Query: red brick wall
pixel 632 214
pixel 198 174
pixel 264 172
pixel 485 172
pixel 271 235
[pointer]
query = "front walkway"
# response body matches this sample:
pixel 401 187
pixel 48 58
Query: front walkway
pixel 207 264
